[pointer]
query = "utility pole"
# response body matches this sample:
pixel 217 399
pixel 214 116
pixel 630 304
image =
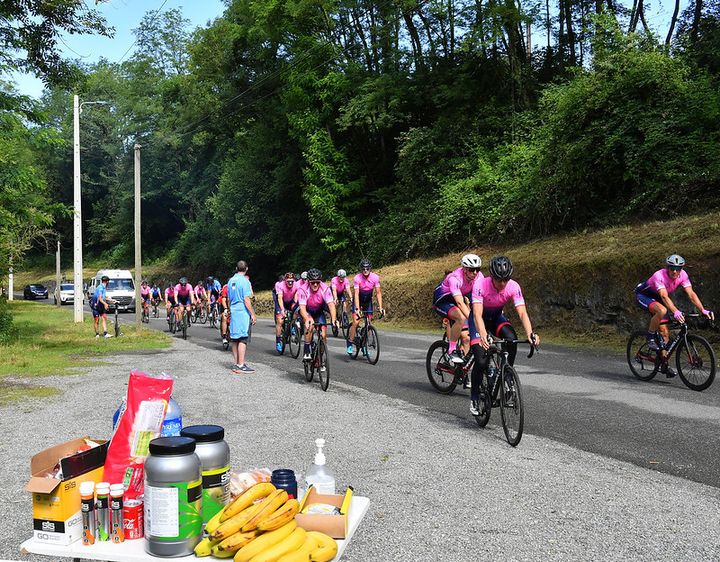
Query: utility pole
pixel 57 274
pixel 138 245
pixel 11 282
pixel 529 41
pixel 77 220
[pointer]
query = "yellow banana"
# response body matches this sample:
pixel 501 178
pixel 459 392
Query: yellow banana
pixel 214 522
pixel 235 523
pixel 246 499
pixel 327 547
pixel 303 553
pixel 267 507
pixel 223 554
pixel 204 547
pixel 264 541
pixel 290 543
pixel 280 516
pixel 234 542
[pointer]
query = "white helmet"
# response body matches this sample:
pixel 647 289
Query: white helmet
pixel 471 260
pixel 675 261
pixel 342 273
pixel 303 275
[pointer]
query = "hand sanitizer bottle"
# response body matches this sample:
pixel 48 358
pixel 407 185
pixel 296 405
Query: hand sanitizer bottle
pixel 318 473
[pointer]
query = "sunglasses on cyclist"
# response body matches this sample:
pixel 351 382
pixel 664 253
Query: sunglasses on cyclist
pixel 365 269
pixel 314 282
pixel 473 269
pixel 675 268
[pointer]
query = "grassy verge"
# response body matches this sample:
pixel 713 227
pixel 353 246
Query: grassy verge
pixel 50 343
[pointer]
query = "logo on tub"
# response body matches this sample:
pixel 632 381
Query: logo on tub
pixel 48 526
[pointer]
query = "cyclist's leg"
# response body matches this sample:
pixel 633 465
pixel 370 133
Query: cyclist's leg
pixel 506 331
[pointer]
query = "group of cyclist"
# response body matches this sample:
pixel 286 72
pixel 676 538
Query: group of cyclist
pixel 309 297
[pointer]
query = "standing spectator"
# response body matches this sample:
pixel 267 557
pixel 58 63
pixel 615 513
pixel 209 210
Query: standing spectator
pixel 99 306
pixel 242 315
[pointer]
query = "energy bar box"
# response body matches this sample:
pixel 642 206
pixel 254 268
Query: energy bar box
pixel 56 494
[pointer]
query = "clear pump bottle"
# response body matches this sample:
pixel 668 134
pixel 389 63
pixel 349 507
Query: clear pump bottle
pixel 318 474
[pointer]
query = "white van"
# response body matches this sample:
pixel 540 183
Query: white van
pixel 121 287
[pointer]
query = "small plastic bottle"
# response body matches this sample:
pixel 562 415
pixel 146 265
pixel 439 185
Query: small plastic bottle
pixel 173 420
pixel 318 474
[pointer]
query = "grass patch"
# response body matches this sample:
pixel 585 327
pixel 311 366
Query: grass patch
pixel 12 392
pixel 50 343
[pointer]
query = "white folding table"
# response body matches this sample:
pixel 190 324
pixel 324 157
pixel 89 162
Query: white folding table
pixel 134 551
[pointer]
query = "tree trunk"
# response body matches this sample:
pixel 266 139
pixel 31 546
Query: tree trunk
pixel 428 32
pixel 361 34
pixel 570 32
pixel 414 39
pixel 697 15
pixel 673 21
pixel 451 21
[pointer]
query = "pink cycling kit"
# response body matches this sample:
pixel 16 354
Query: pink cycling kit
pixel 340 285
pixel 315 300
pixel 301 284
pixel 184 294
pixel 145 292
pixel 484 292
pixel 647 293
pixel 170 294
pixel 286 292
pixel 455 284
pixel 199 290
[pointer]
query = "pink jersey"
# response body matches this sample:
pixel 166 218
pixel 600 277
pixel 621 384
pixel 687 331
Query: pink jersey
pixel 340 285
pixel 662 280
pixel 485 292
pixel 314 300
pixel 286 292
pixel 366 284
pixel 184 292
pixel 169 293
pixel 456 284
pixel 301 284
pixel 144 291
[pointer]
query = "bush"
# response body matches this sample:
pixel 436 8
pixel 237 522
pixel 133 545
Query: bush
pixel 8 331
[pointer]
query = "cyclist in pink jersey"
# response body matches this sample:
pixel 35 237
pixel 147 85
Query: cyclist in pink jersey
pixel 302 283
pixel 653 295
pixel 364 284
pixel 185 297
pixel 145 295
pixel 489 296
pixel 170 299
pixel 451 300
pixel 340 286
pixel 285 297
pixel 313 303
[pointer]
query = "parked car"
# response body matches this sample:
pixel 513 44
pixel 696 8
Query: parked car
pixel 35 291
pixel 67 294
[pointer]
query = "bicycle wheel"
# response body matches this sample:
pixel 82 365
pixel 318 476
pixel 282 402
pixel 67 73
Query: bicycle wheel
pixel 193 316
pixel 213 319
pixel 296 339
pixel 372 346
pixel 511 406
pixel 360 341
pixel 695 362
pixel 184 321
pixel 324 364
pixel 344 324
pixel 202 316
pixel 284 338
pixel 644 363
pixel 485 402
pixel 309 366
pixel 440 370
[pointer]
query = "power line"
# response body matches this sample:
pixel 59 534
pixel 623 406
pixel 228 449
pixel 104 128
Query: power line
pixel 156 13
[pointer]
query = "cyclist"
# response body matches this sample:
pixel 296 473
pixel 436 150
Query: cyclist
pixel 285 299
pixel 653 295
pixel 155 294
pixel 145 296
pixel 224 310
pixel 313 302
pixel 489 295
pixel 363 285
pixel 341 291
pixel 200 296
pixel 170 299
pixel 449 301
pixel 185 298
pixel 302 283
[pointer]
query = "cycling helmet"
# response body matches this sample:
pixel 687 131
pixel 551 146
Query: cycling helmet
pixel 675 261
pixel 365 264
pixel 471 260
pixel 501 268
pixel 304 275
pixel 290 276
pixel 183 280
pixel 314 275
pixel 341 273
pixel 209 279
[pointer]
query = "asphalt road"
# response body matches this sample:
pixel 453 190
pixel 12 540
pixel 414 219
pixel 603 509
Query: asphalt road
pixel 585 399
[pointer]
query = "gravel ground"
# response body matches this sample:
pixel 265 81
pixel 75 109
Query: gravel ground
pixel 440 488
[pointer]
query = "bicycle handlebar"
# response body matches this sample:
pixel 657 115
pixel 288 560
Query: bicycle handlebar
pixel 494 341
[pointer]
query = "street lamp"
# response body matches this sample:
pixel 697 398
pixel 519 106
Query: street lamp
pixel 77 222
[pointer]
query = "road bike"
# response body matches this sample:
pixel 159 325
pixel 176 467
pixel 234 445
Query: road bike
pixel 145 312
pixel 343 319
pixel 213 316
pixel 185 321
pixel 155 312
pixel 291 335
pixel 500 386
pixel 443 374
pixel 367 340
pixel 694 357
pixel 202 313
pixel 171 319
pixel 319 361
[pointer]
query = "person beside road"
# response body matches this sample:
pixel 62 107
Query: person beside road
pixel 489 296
pixel 99 306
pixel 364 283
pixel 242 315
pixel 653 295
pixel 449 301
pixel 285 298
pixel 313 302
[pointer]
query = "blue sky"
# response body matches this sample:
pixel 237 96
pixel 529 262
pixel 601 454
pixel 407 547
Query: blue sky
pixel 124 16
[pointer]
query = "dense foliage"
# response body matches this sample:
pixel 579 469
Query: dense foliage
pixel 291 132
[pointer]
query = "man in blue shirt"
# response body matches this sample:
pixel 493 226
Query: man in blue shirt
pixel 239 296
pixel 99 306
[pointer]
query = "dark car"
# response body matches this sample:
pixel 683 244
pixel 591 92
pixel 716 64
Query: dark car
pixel 32 292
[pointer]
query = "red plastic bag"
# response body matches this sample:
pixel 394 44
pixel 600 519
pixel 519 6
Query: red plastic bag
pixel 140 423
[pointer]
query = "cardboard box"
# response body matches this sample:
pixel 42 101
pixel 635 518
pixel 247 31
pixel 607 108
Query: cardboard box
pixel 335 526
pixel 56 503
